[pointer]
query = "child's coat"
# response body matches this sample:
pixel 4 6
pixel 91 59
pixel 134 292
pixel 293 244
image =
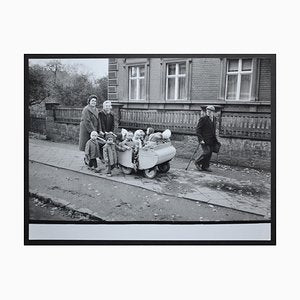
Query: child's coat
pixel 92 149
pixel 110 154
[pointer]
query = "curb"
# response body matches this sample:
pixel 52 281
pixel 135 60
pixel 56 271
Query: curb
pixel 146 188
pixel 58 202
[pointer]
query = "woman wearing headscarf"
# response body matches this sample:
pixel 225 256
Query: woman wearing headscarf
pixel 106 118
pixel 89 121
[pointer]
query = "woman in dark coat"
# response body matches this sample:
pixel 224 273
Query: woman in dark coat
pixel 89 121
pixel 106 118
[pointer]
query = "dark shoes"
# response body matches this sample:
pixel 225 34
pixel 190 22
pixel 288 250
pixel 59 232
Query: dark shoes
pixel 199 168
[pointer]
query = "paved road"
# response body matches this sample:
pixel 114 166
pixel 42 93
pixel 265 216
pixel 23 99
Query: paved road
pixel 41 211
pixel 116 201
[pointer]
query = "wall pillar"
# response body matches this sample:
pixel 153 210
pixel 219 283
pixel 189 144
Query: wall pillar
pixel 50 119
pixel 112 79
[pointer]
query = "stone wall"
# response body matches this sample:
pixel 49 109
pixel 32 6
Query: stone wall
pixel 63 132
pixel 37 124
pixel 235 152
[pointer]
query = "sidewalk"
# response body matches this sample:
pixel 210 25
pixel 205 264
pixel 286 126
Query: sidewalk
pixel 237 188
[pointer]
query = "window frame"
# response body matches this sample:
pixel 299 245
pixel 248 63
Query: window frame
pixel 176 76
pixel 137 78
pixel 239 74
pixel 124 81
pixel 254 83
pixel 163 85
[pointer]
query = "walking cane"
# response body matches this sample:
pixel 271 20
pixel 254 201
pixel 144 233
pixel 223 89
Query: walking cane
pixel 192 156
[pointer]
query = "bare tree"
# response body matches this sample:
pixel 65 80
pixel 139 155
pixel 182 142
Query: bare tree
pixel 54 66
pixel 38 86
pixel 65 84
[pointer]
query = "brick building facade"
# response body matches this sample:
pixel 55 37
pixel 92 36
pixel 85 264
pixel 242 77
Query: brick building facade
pixel 205 82
pixel 170 92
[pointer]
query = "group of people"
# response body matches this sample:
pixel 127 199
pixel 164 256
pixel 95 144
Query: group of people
pixel 94 128
pixel 98 140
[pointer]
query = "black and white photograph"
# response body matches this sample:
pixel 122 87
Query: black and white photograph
pixel 149 150
pixel 167 143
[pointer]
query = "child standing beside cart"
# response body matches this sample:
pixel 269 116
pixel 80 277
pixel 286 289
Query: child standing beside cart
pixel 92 151
pixel 110 153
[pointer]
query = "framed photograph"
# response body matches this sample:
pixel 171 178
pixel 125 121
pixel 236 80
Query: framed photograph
pixel 158 149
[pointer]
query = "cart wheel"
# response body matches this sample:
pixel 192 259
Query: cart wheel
pixel 126 170
pixel 164 168
pixel 150 173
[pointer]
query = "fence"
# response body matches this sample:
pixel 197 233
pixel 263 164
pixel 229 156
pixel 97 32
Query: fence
pixel 256 126
pixel 233 125
pixel 245 125
pixel 67 115
pixel 176 121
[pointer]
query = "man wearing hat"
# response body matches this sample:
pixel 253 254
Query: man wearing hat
pixel 206 133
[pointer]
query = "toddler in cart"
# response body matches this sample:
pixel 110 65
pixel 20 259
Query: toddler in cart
pixel 158 138
pixel 134 145
pixel 138 138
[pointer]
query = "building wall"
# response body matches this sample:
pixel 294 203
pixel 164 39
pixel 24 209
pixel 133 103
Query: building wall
pixel 205 86
pixel 264 90
pixel 155 80
pixel 113 81
pixel 205 79
pixel 121 82
pixel 205 83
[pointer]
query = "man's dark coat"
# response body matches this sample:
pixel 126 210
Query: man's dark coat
pixel 206 130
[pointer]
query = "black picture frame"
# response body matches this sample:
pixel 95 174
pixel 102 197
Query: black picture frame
pixel 27 222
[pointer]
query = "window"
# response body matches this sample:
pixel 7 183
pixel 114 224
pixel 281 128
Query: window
pixel 176 81
pixel 239 79
pixel 137 83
